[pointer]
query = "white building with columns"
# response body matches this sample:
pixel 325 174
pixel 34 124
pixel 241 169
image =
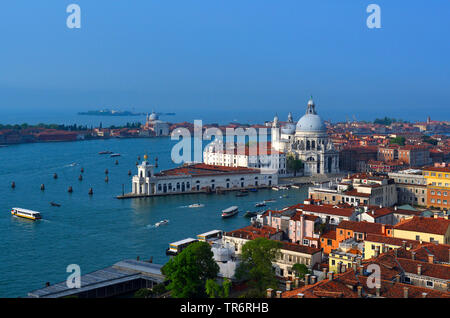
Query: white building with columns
pixel 308 141
pixel 253 156
pixel 198 177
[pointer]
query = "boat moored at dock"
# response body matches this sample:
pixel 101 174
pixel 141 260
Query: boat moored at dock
pixel 27 214
pixel 177 247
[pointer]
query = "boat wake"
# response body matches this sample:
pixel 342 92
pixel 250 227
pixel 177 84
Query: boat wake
pixel 71 165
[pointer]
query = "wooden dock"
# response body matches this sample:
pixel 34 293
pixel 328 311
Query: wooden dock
pixel 123 277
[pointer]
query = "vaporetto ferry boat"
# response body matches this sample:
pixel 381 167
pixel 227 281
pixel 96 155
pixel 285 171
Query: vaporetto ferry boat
pixel 24 213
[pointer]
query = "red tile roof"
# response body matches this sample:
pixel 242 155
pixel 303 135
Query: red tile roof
pixel 424 225
pixel 300 248
pixel 363 227
pixel 251 232
pixel 201 169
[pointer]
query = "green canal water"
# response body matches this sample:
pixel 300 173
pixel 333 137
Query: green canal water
pixel 99 230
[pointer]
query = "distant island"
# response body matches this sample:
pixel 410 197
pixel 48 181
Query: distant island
pixel 107 112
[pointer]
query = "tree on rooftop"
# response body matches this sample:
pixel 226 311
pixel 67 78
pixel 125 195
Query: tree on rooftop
pixel 300 270
pixel 293 164
pixel 399 140
pixel 256 265
pixel 188 272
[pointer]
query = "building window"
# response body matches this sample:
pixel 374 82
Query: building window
pixel 406 280
pixel 417 237
pixel 429 283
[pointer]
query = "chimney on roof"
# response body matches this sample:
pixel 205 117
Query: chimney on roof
pixel 296 282
pixel 397 278
pixel 325 272
pixel 355 266
pixel 419 269
pixel 269 293
pixel 278 293
pixel 359 288
pixel 404 244
pixel 313 279
pixel 330 276
pixel 405 292
pixel 307 279
pixel 300 295
pixel 377 251
pixel 431 258
pixel 378 291
pixel 361 270
pixel 413 255
pixel 288 285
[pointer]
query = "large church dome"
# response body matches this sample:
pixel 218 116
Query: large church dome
pixel 310 122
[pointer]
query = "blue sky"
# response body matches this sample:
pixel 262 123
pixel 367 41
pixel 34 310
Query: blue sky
pixel 236 58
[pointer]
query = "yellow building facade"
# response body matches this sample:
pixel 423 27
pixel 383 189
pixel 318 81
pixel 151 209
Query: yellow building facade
pixel 438 187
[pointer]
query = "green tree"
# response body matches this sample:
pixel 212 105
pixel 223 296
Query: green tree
pixel 143 293
pixel 159 289
pixel 428 139
pixel 399 140
pixel 214 290
pixel 300 270
pixel 188 272
pixel 256 265
pixel 293 164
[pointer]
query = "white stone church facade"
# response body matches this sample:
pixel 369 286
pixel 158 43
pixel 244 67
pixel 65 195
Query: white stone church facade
pixel 308 141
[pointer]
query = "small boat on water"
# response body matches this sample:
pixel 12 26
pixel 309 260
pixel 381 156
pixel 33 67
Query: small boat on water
pixel 27 214
pixel 105 152
pixel 241 194
pixel 196 205
pixel 250 214
pixel 275 188
pixel 253 190
pixel 260 204
pixel 163 222
pixel 115 155
pixel 229 212
pixel 55 204
pixel 283 187
pixel 269 200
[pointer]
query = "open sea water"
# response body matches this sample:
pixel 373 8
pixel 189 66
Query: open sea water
pixel 97 231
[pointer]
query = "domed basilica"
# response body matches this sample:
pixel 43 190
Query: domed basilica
pixel 307 141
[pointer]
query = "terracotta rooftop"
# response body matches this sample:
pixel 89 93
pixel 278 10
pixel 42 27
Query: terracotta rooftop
pixel 201 169
pixel 326 209
pixel 251 232
pixel 390 240
pixel 363 227
pixel 300 248
pixel 424 225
